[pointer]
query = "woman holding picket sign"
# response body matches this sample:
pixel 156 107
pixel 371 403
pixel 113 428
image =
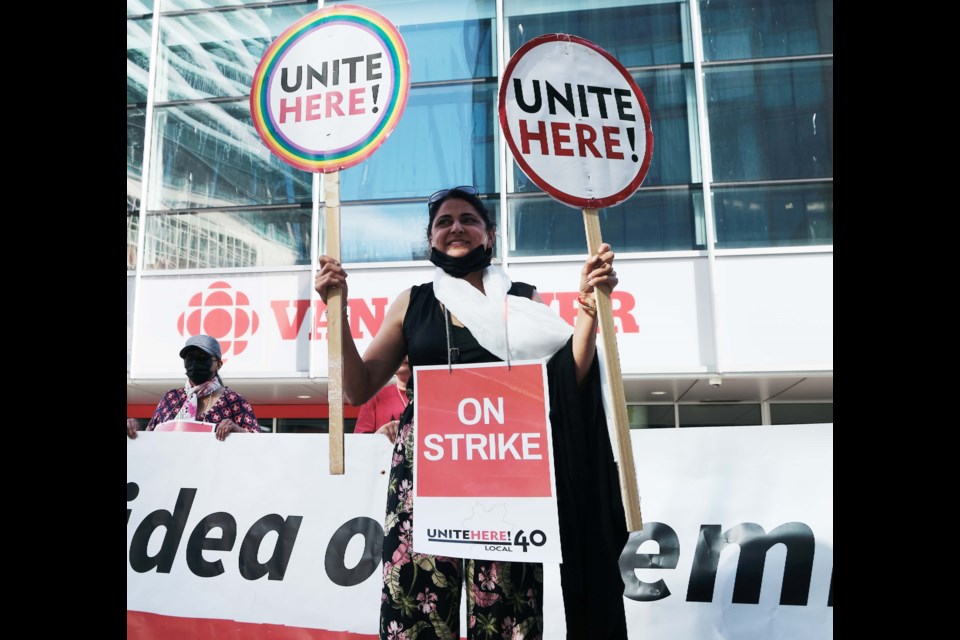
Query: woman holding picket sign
pixel 421 593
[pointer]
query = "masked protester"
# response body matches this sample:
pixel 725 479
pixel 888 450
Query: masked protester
pixel 460 317
pixel 203 397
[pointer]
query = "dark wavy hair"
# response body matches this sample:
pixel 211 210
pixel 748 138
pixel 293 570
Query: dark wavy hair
pixel 463 195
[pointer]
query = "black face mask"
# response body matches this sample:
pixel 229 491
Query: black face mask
pixel 199 371
pixel 477 259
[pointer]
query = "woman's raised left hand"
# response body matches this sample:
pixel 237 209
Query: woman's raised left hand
pixel 598 269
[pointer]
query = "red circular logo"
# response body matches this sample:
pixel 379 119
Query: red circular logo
pixel 221 312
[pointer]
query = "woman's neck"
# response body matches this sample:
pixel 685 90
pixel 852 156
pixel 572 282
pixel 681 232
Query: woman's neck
pixel 476 279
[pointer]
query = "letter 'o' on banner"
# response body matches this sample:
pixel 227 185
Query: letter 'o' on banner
pixel 331 88
pixel 576 121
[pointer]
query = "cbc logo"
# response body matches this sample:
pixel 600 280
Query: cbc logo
pixel 221 312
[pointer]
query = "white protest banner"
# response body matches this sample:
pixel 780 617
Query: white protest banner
pixel 738 542
pixel 484 486
pixel 227 538
pixel 251 538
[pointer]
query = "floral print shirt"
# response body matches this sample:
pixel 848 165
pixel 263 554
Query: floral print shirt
pixel 230 404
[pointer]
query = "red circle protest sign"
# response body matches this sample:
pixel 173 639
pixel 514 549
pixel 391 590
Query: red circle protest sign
pixel 576 121
pixel 331 88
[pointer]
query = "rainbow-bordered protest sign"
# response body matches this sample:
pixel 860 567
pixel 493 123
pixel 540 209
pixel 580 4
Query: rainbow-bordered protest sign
pixel 331 88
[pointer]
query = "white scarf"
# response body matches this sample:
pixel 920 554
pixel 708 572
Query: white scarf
pixel 530 329
pixel 535 331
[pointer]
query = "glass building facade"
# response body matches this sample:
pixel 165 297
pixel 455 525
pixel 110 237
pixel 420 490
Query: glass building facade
pixel 741 103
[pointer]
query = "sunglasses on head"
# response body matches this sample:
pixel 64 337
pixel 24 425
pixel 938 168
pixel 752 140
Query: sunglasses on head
pixel 440 195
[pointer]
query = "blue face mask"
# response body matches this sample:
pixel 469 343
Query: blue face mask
pixel 477 259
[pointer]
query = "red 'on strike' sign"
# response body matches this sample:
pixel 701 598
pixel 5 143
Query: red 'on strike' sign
pixel 482 431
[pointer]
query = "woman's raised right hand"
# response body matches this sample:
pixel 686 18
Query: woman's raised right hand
pixel 331 274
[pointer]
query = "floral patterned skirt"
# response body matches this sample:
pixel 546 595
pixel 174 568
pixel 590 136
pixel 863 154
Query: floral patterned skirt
pixel 421 593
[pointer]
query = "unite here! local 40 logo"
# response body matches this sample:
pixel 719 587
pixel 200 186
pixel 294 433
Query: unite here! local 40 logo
pixel 221 312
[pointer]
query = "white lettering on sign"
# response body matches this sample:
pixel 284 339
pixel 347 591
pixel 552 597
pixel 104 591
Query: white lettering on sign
pixel 489 410
pixel 482 446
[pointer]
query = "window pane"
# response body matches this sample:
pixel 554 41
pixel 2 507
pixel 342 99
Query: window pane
pixel 135 129
pixel 448 40
pixel 741 29
pixel 801 413
pixel 671 98
pixel 383 232
pixel 655 221
pixel 390 232
pixel 640 35
pixel 450 50
pixel 647 221
pixel 136 121
pixel 181 5
pixel 138 59
pixel 133 227
pixel 139 7
pixel 770 122
pixel 788 216
pixel 405 12
pixel 650 416
pixel 445 138
pixel 222 239
pixel 720 415
pixel 215 54
pixel 210 155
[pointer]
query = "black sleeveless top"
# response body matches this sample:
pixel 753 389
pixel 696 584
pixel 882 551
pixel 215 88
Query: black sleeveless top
pixel 424 328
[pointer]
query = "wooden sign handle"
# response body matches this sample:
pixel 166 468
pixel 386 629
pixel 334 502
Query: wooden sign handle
pixel 334 325
pixel 614 378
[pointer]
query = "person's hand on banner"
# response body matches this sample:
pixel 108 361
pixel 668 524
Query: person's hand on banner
pixel 390 430
pixel 225 427
pixel 132 427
